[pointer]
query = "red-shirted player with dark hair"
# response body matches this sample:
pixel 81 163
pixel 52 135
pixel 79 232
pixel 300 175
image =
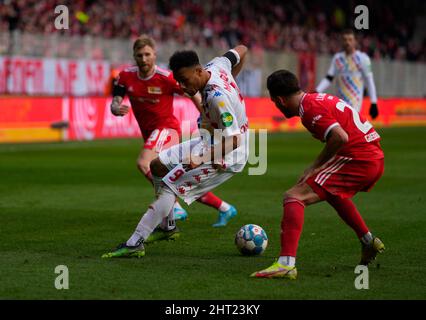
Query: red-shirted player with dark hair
pixel 351 161
pixel 151 90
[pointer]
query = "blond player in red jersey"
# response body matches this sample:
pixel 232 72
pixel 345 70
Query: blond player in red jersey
pixel 151 90
pixel 351 161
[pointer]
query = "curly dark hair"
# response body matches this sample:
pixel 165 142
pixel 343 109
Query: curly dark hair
pixel 282 83
pixel 183 59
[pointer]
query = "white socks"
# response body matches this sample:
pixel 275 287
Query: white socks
pixel 177 205
pixel 158 210
pixel 168 223
pixel 224 206
pixel 287 261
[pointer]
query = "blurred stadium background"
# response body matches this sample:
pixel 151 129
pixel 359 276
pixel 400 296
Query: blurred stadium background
pixel 55 84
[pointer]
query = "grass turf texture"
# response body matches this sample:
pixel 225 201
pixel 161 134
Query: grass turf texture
pixel 66 204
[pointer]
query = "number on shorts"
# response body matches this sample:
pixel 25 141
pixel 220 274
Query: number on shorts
pixel 154 136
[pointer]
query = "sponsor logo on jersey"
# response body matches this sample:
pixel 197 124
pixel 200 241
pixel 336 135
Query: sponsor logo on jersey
pixel 217 94
pixel 155 90
pixel 320 96
pixel 144 100
pixel 371 136
pixel 315 119
pixel 221 104
pixel 227 119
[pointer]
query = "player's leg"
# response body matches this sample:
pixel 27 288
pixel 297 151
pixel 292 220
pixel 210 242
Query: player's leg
pixel 144 159
pixel 347 210
pixel 338 187
pixel 156 212
pixel 158 140
pixel 226 210
pixel 294 202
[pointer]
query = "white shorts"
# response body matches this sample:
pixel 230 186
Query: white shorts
pixel 190 185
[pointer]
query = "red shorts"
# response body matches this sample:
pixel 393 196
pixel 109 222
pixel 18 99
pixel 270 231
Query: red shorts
pixel 161 139
pixel 344 177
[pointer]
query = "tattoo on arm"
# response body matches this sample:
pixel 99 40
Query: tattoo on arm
pixel 115 105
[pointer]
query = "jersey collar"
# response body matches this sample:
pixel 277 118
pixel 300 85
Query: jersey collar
pixel 149 77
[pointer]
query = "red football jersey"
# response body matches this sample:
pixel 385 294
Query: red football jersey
pixel 321 112
pixel 151 98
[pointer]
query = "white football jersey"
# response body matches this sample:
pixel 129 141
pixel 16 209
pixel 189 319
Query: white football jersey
pixel 224 108
pixel 350 72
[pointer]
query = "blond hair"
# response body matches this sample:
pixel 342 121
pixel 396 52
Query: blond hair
pixel 142 41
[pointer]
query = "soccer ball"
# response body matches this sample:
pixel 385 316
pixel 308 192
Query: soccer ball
pixel 251 240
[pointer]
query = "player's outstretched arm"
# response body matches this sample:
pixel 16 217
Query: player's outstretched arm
pixel 117 108
pixel 242 52
pixel 374 111
pixel 326 82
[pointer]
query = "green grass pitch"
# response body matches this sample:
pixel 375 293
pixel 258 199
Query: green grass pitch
pixel 68 203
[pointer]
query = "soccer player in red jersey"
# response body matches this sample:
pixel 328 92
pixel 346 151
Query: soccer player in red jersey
pixel 151 90
pixel 351 161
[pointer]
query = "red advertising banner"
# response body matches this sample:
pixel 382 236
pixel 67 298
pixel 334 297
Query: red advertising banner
pixel 25 119
pixel 91 118
pixel 31 119
pixel 35 76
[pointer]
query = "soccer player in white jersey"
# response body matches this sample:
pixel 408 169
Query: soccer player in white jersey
pixel 352 69
pixel 194 167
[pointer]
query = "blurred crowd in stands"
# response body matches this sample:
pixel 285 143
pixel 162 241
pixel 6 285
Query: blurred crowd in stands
pixel 396 28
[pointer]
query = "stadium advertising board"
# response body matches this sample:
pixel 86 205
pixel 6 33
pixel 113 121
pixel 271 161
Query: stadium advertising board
pixel 27 119
pixel 34 76
pixel 31 119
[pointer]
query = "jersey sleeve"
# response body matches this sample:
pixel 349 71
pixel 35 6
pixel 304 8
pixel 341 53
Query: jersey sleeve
pixel 222 114
pixel 366 65
pixel 319 122
pixel 119 88
pixel 222 62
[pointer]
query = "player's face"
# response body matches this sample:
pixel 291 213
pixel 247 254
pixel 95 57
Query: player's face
pixel 189 79
pixel 145 59
pixel 349 42
pixel 280 104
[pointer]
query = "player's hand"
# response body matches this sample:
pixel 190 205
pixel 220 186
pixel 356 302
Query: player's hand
pixel 374 111
pixel 123 110
pixel 120 110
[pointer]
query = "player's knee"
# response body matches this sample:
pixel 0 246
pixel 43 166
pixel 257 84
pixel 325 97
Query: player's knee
pixel 290 194
pixel 294 193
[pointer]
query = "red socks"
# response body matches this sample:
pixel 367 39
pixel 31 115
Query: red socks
pixel 293 216
pixel 349 213
pixel 211 200
pixel 291 226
